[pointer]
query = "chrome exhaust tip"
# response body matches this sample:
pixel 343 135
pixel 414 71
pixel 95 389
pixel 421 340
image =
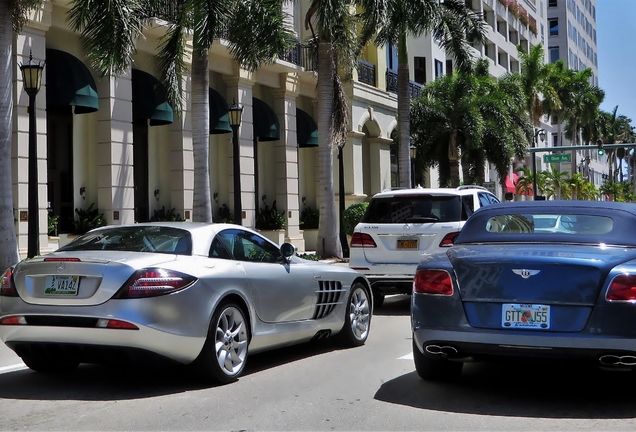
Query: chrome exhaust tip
pixel 617 360
pixel 441 350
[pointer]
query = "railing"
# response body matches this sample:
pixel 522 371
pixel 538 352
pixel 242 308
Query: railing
pixel 415 89
pixel 366 72
pixel 302 55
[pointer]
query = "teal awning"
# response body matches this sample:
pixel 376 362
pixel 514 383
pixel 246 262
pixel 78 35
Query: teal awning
pixel 219 120
pixel 69 83
pixel 149 101
pixel 266 126
pixel 306 129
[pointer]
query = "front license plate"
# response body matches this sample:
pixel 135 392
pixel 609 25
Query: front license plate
pixel 407 244
pixel 533 316
pixel 61 285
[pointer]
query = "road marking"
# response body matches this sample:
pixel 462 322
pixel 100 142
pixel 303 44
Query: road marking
pixel 408 356
pixel 12 368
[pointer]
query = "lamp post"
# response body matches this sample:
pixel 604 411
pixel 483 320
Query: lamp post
pixel 32 80
pixel 540 133
pixel 413 154
pixel 234 113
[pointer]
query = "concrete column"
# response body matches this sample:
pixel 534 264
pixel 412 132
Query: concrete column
pixel 115 179
pixel 380 164
pixel 239 89
pixel 182 159
pixel 286 158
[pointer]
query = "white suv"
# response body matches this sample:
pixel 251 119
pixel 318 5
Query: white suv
pixel 400 226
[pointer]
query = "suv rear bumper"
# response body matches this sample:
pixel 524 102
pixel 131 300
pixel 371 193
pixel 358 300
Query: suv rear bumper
pixel 392 284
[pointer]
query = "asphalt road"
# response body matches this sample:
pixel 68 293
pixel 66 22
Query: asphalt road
pixel 322 387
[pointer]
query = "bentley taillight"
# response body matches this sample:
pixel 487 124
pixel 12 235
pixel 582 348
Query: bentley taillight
pixel 7 287
pixel 433 282
pixel 152 282
pixel 622 288
pixel 362 240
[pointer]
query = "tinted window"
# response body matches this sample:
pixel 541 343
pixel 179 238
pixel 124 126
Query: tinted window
pixel 413 208
pixel 544 223
pixel 483 199
pixel 246 246
pixel 468 206
pixel 158 239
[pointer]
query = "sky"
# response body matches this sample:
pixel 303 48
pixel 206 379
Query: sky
pixel 616 45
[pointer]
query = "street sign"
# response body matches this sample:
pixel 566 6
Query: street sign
pixel 556 158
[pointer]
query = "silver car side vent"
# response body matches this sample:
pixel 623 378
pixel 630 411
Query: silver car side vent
pixel 329 293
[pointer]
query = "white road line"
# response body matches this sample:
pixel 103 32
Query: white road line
pixel 408 356
pixel 12 368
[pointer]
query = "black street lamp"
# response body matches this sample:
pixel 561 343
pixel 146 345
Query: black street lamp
pixel 413 154
pixel 234 113
pixel 32 80
pixel 541 134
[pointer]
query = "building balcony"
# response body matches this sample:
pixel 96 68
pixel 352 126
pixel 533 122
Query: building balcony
pixel 366 72
pixel 391 85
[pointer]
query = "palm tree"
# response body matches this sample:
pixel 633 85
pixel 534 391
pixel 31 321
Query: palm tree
pixel 338 49
pixel 254 29
pixel 614 129
pixel 525 182
pixel 19 11
pixel 472 113
pixel 453 25
pixel 556 183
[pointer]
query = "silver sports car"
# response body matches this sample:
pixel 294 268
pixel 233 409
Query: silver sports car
pixel 193 293
pixel 533 280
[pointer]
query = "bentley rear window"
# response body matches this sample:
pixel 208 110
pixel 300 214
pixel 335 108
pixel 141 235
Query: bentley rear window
pixel 549 223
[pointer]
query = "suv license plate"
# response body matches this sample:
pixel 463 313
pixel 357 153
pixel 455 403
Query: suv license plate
pixel 407 244
pixel 532 316
pixel 61 285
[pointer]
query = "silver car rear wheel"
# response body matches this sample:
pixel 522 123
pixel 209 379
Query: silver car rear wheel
pixel 358 318
pixel 225 351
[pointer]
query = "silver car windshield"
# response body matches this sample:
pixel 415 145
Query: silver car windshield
pixel 157 239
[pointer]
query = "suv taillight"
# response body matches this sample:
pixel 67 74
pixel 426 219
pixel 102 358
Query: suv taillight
pixel 7 287
pixel 362 240
pixel 622 288
pixel 152 282
pixel 449 239
pixel 433 282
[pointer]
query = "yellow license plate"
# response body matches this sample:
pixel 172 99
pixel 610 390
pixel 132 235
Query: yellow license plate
pixel 407 244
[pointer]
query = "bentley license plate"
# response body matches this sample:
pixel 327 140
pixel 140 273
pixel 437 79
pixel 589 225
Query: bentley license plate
pixel 518 315
pixel 61 285
pixel 407 244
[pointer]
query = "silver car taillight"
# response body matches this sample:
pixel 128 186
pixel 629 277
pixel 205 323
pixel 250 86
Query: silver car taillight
pixel 152 282
pixel 7 287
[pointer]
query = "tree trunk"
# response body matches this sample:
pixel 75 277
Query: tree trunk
pixel 453 157
pixel 202 202
pixel 9 249
pixel 328 242
pixel 404 115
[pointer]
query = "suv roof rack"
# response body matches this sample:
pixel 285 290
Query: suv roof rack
pixel 393 188
pixel 462 187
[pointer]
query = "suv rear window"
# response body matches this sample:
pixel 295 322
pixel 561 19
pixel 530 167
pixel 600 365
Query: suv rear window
pixel 414 208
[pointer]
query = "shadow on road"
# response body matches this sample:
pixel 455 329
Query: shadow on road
pixel 521 390
pixel 95 382
pixel 399 304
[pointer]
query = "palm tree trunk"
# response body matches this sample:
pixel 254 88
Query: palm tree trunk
pixel 404 114
pixel 328 242
pixel 202 203
pixel 9 249
pixel 453 157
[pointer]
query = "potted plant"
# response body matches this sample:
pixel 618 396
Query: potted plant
pixel 309 219
pixel 270 222
pixel 53 224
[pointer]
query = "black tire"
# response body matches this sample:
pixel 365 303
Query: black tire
pixel 378 298
pixel 357 322
pixel 431 369
pixel 229 327
pixel 50 366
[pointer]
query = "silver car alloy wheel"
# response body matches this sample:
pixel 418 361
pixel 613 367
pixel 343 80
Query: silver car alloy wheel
pixel 231 341
pixel 359 313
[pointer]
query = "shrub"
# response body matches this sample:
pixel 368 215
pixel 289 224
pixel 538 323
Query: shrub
pixel 88 219
pixel 269 218
pixel 163 215
pixel 224 215
pixel 352 216
pixel 52 224
pixel 309 218
pixel 311 257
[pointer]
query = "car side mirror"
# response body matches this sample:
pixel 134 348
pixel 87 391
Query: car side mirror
pixel 287 249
